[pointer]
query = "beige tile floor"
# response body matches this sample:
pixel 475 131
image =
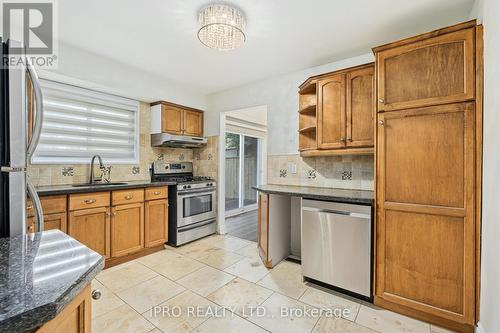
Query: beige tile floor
pixel 215 285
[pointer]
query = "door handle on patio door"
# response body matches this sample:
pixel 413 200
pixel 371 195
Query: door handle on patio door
pixel 37 128
pixel 37 205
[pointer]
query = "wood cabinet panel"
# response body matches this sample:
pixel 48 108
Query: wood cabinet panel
pixel 435 280
pixel 89 200
pixel 263 227
pixel 127 229
pixel 172 119
pixel 75 318
pixel 55 221
pixel 331 112
pixel 153 193
pixel 155 222
pixel 127 196
pixel 360 108
pixel 50 205
pixel 425 205
pixel 91 227
pixel 434 71
pixel 423 155
pixel 193 123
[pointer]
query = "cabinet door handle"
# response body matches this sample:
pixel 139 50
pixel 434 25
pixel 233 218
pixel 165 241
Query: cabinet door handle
pixel 108 214
pixel 381 122
pixel 381 100
pixel 90 201
pixel 128 197
pixel 156 192
pixel 96 294
pixel 349 138
pixel 342 139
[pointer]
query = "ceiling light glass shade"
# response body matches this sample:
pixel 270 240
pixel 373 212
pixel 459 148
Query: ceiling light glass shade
pixel 221 27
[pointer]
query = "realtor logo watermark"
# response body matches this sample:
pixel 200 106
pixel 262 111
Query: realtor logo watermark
pixel 31 28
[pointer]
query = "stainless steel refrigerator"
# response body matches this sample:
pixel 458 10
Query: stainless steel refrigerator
pixel 16 146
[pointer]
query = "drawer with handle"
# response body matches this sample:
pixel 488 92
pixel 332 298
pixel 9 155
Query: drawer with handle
pixel 127 196
pixel 153 193
pixel 50 205
pixel 89 200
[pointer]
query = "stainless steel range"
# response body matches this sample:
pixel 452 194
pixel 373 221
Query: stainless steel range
pixel 192 209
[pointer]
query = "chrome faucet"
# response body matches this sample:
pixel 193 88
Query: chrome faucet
pixel 93 178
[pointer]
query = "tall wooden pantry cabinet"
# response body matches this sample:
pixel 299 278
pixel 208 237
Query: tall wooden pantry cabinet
pixel 429 111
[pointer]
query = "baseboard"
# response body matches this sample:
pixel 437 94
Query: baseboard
pixel 480 328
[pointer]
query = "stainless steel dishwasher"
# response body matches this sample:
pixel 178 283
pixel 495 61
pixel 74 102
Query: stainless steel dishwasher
pixel 336 245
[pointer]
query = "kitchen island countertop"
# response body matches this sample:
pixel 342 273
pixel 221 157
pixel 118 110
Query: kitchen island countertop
pixel 40 274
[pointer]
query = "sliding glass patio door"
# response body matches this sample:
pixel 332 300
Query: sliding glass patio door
pixel 242 170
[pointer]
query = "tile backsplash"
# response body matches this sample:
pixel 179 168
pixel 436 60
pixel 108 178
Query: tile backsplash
pixel 349 171
pixel 58 174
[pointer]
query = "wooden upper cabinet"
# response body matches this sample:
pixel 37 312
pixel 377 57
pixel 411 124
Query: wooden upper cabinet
pixel 431 71
pixel 336 113
pixel 172 119
pixel 176 119
pixel 331 129
pixel 193 123
pixel 359 107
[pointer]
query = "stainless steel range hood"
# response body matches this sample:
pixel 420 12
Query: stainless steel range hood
pixel 177 141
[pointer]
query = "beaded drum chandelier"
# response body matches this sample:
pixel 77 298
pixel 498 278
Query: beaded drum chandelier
pixel 222 27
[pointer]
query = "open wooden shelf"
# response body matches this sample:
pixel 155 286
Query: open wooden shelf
pixel 308 88
pixel 309 110
pixel 308 129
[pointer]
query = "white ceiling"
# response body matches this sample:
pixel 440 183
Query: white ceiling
pixel 159 36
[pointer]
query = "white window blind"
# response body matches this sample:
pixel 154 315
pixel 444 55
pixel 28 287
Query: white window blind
pixel 79 123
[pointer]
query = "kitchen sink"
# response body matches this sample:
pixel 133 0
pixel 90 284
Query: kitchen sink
pixel 99 184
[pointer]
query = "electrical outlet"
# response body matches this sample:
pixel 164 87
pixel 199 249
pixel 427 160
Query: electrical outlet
pixel 292 168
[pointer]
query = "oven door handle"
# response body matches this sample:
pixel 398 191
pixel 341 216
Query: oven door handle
pixel 204 190
pixel 191 227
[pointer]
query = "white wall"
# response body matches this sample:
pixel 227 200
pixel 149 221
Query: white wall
pixel 100 73
pixel 280 94
pixel 488 11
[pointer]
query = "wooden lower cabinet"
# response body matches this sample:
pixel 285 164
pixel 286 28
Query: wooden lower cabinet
pixel 426 213
pixel 155 222
pixel 54 213
pixel 75 318
pixel 263 228
pixel 91 227
pixel 55 221
pixel 127 229
pixel 113 223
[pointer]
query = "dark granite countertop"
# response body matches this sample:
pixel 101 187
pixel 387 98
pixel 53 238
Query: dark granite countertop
pixel 65 189
pixel 331 194
pixel 40 274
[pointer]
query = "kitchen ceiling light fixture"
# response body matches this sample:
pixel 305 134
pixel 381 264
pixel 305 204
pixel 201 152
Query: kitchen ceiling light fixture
pixel 222 27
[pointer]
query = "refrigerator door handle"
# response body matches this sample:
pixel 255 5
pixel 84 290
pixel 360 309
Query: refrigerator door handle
pixel 37 205
pixel 37 128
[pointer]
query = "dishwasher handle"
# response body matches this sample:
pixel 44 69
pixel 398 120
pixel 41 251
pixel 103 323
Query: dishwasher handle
pixel 337 212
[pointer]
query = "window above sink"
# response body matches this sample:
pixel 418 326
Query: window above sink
pixel 79 123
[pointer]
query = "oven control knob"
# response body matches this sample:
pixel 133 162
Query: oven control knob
pixel 166 166
pixel 184 187
pixel 184 167
pixel 189 186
